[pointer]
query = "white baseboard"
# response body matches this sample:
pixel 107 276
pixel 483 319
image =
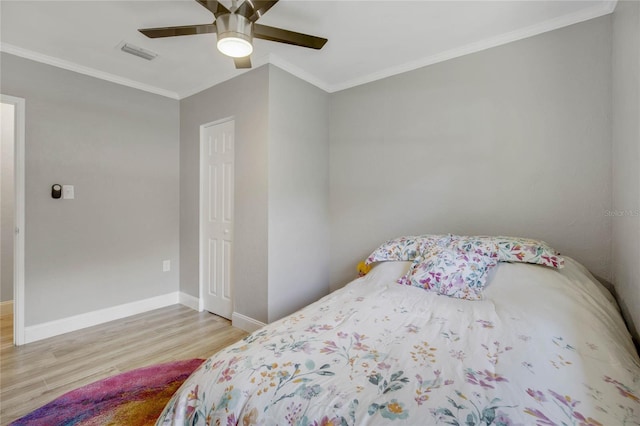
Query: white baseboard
pixel 189 301
pixel 77 322
pixel 245 323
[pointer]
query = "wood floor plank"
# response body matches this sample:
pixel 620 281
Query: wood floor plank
pixel 34 374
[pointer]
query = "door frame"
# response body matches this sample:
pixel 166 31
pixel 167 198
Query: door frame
pixel 201 212
pixel 19 212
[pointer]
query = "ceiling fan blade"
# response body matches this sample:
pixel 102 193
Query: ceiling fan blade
pixel 214 7
pixel 178 31
pixel 285 36
pixel 242 62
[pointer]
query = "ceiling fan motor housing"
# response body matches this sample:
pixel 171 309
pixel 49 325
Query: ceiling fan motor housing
pixel 232 25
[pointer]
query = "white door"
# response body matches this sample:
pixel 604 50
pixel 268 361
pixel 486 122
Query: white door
pixel 216 217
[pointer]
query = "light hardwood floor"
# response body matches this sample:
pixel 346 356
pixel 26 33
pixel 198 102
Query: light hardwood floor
pixel 36 373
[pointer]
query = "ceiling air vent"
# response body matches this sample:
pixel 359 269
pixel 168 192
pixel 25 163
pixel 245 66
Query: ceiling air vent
pixel 138 51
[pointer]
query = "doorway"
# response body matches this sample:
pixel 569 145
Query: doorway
pixel 12 210
pixel 216 216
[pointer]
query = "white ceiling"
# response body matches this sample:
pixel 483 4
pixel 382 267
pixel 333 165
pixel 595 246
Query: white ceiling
pixel 368 40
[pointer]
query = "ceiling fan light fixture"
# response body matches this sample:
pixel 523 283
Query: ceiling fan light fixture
pixel 234 35
pixel 234 46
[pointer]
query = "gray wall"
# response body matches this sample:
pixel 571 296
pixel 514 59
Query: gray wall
pixel 120 148
pixel 626 160
pixel 527 124
pixel 7 203
pixel 281 224
pixel 513 140
pixel 298 193
pixel 246 99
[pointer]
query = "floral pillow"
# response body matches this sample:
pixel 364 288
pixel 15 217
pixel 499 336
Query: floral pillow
pixel 512 249
pixel 451 271
pixel 402 248
pixel 485 246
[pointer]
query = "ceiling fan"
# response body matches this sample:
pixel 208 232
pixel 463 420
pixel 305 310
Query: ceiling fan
pixel 236 29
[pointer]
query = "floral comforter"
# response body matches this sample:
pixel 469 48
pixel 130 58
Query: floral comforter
pixel 545 347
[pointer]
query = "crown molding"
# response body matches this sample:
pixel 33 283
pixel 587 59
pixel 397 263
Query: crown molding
pixel 596 11
pixel 256 62
pixel 92 72
pixel 298 72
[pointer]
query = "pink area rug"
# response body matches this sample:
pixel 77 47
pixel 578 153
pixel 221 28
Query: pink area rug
pixel 134 398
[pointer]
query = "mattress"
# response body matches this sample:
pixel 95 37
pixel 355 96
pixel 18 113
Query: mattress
pixel 544 347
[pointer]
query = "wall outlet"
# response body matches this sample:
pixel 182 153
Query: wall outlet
pixel 166 265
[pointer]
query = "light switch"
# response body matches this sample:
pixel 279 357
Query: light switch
pixel 67 192
pixel 166 265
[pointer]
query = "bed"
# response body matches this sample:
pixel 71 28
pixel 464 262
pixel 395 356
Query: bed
pixel 544 346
